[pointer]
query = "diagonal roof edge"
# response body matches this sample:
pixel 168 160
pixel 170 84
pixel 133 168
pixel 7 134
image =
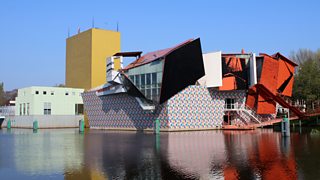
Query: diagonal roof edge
pixel 155 55
pixel 279 56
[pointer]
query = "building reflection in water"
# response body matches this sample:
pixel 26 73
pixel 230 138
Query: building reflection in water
pixel 259 154
pixel 47 151
pixel 189 155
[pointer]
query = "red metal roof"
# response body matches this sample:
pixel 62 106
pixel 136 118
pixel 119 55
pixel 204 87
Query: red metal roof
pixel 155 55
pixel 129 54
pixel 279 55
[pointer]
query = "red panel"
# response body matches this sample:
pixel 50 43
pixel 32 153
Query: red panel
pixel 228 83
pixel 265 106
pixel 269 73
pixel 275 72
pixel 283 74
pixel 252 98
pixel 269 78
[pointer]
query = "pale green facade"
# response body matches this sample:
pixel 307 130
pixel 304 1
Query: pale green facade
pixel 38 100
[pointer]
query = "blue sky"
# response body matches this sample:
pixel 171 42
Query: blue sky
pixel 33 32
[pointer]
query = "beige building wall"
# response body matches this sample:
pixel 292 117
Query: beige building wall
pixel 31 100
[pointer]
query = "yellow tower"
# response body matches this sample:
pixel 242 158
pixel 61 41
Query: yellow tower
pixel 86 57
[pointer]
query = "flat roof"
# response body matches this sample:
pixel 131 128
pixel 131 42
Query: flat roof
pixel 129 54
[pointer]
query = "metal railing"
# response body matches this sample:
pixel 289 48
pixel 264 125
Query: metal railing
pixel 244 108
pixel 7 111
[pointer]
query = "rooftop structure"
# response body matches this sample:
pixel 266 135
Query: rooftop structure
pixel 85 57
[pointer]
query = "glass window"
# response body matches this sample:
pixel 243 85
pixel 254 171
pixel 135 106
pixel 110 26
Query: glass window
pixel 143 81
pixel 67 93
pixel 37 92
pixel 78 109
pixel 154 78
pixel 131 78
pixel 137 78
pixel 148 93
pixel 52 93
pixel 229 103
pixel 154 93
pixel 44 92
pixel 47 108
pixel 148 79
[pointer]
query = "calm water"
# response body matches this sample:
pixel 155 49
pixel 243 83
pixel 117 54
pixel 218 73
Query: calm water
pixel 66 154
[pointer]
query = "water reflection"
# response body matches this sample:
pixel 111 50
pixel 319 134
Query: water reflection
pixel 46 153
pixel 66 154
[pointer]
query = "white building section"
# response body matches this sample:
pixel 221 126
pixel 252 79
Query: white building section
pixel 213 69
pixel 111 67
pixel 253 70
pixel 52 107
pixel 38 100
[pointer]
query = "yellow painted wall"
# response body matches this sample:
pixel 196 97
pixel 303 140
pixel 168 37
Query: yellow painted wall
pixel 78 60
pixel 86 57
pixel 117 64
pixel 104 44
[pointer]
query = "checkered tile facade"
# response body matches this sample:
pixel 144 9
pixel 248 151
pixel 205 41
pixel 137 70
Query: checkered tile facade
pixel 195 107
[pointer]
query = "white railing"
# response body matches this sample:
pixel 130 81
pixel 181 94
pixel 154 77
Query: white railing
pixel 244 108
pixel 253 112
pixel 7 111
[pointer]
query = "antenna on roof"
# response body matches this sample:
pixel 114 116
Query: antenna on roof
pixel 78 30
pixel 93 22
pixel 117 26
pixel 68 32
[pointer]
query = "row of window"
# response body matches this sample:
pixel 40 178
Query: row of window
pixel 52 93
pixel 24 109
pixel 148 84
pixel 144 79
pixel 47 109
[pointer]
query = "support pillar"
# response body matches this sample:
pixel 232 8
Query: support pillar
pixel 81 126
pixel 35 126
pixel 285 127
pixel 9 124
pixel 157 126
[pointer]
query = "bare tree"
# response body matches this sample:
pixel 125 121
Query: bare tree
pixel 2 95
pixel 302 55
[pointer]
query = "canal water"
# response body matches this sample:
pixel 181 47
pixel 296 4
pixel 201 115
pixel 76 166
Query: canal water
pixel 98 154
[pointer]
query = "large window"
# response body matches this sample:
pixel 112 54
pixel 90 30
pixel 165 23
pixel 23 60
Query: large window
pixel 137 81
pixel 147 78
pixel 78 109
pixel 47 108
pixel 230 103
pixel 148 84
pixel 154 79
pixel 143 81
